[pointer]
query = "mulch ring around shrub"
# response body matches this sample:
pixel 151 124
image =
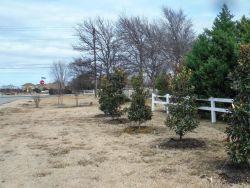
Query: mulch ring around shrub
pixel 235 174
pixel 185 143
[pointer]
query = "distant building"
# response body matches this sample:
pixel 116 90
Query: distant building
pixel 28 87
pixel 9 90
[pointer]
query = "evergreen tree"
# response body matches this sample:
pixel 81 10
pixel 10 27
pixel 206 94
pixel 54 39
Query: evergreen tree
pixel 238 132
pixel 111 95
pixel 243 27
pixel 213 56
pixel 182 114
pixel 139 111
pixel 162 84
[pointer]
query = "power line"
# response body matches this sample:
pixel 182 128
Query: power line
pixel 18 68
pixel 25 27
pixel 36 39
pixel 36 28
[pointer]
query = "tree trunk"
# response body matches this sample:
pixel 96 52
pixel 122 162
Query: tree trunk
pixel 181 137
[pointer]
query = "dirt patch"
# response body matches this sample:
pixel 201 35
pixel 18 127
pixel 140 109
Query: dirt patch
pixel 139 130
pixel 186 143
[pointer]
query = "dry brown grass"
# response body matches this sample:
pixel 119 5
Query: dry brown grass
pixel 139 130
pixel 80 147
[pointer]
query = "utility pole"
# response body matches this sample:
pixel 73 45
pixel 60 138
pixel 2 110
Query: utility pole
pixel 94 41
pixel 100 81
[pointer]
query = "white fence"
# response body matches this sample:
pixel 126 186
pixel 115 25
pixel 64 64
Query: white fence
pixel 165 100
pixel 87 92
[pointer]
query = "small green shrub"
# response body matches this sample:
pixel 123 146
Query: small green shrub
pixel 182 114
pixel 238 146
pixel 138 111
pixel 162 84
pixel 111 94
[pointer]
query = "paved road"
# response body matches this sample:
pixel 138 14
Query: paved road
pixel 7 99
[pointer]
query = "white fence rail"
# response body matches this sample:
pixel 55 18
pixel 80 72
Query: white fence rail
pixel 165 100
pixel 87 92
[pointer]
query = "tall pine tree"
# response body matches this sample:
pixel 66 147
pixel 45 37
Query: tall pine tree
pixel 213 56
pixel 243 27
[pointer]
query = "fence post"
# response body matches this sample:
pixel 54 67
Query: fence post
pixel 213 113
pixel 167 100
pixel 130 93
pixel 153 100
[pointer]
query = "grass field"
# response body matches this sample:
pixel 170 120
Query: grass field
pixel 68 146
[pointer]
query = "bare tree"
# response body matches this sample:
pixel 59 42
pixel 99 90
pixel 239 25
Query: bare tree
pixel 37 100
pixel 106 43
pixel 155 61
pixel 82 73
pixel 76 98
pixel 179 36
pixel 81 67
pixel 59 71
pixel 131 32
pixel 135 44
pixel 143 46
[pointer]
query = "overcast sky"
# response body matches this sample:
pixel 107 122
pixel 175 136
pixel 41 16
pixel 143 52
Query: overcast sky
pixel 35 33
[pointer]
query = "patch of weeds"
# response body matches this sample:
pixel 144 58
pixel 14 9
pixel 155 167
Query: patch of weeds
pixel 100 116
pixel 25 104
pixel 77 148
pixel 167 170
pixel 85 162
pixel 7 151
pixel 100 159
pixel 220 126
pixel 59 164
pixel 61 106
pixel 205 166
pixel 59 151
pixel 148 153
pixel 130 173
pixel 42 174
pixel 63 133
pixel 15 110
pixel 66 142
pixel 117 121
pixel 139 130
pixel 95 178
pixel 39 146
